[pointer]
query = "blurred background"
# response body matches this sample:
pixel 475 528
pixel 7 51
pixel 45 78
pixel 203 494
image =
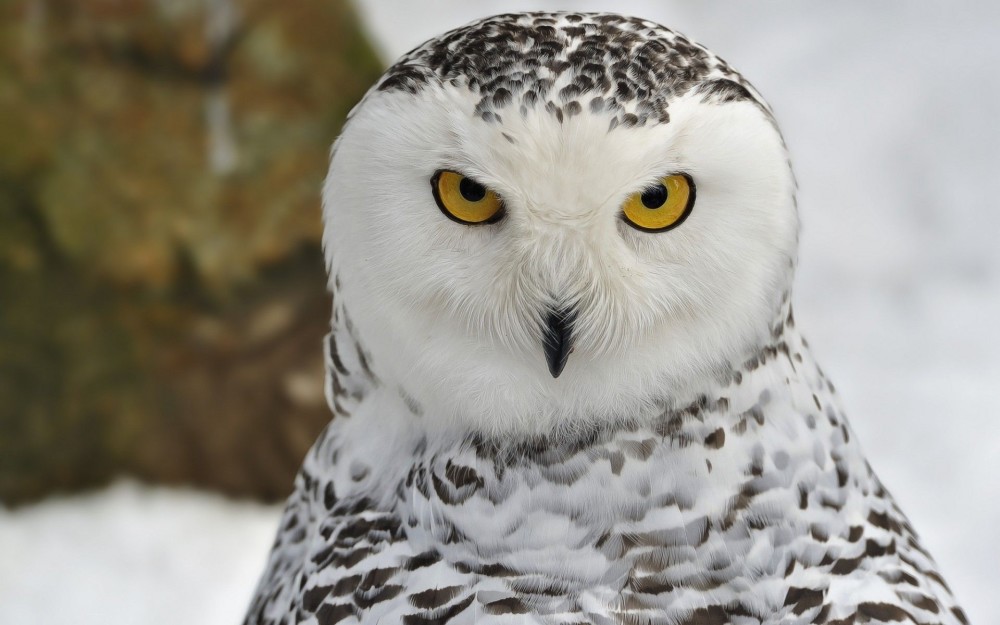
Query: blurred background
pixel 162 294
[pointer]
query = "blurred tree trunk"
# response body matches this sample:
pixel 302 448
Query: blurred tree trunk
pixel 162 293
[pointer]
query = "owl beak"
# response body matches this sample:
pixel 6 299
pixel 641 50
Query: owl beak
pixel 558 340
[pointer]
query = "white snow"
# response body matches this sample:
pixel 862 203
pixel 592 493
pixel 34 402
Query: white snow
pixel 888 109
pixel 132 555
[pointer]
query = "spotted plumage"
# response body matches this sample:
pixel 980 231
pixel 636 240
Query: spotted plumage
pixel 691 466
pixel 625 67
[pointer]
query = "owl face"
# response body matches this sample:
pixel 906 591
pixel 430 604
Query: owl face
pixel 522 246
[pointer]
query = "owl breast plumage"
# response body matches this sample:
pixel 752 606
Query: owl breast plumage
pixel 566 380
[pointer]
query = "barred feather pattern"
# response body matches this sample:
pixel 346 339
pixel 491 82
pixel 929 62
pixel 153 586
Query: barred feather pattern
pixel 753 504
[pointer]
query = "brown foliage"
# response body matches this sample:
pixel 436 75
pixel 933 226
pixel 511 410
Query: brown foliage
pixel 161 287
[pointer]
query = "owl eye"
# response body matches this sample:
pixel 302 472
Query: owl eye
pixel 662 206
pixel 464 200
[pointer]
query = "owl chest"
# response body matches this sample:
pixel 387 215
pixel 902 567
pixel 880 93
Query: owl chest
pixel 642 523
pixel 644 512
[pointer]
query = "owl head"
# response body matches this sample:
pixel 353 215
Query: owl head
pixel 546 221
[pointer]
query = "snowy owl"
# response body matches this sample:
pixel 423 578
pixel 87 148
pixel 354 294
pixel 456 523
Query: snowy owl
pixel 567 383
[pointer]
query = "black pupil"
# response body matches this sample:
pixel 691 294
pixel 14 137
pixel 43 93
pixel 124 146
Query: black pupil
pixel 654 197
pixel 471 190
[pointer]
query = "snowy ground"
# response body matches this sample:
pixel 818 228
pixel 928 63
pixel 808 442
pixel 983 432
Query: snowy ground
pixel 888 111
pixel 132 555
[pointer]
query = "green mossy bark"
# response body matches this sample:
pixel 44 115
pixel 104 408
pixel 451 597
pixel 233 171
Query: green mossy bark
pixel 162 295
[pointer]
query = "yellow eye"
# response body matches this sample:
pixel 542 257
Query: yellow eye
pixel 662 206
pixel 464 200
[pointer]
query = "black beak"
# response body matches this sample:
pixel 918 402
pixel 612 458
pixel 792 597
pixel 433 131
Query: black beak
pixel 558 339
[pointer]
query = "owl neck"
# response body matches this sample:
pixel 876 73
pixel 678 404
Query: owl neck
pixel 774 409
pixel 351 383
